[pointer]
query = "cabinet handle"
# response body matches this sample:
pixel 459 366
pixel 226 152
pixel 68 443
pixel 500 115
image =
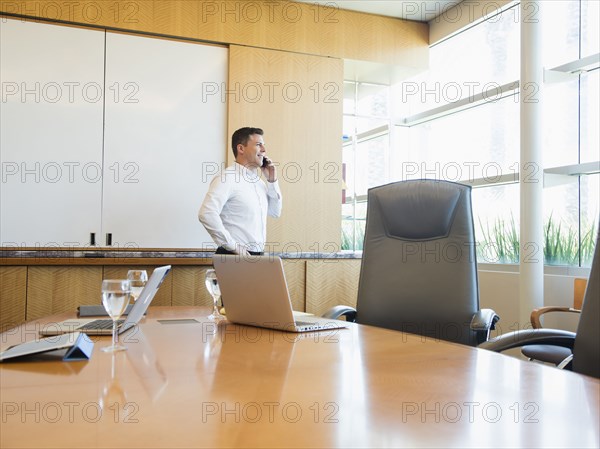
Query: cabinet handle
pixel 92 239
pixel 108 239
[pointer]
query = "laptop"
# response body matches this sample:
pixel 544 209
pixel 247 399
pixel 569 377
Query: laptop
pixel 104 326
pixel 255 292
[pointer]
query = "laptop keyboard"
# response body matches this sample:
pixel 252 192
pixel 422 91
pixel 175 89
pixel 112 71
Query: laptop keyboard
pixel 100 324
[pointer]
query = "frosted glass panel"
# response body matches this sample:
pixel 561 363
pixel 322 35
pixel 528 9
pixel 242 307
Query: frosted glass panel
pixel 165 138
pixel 51 134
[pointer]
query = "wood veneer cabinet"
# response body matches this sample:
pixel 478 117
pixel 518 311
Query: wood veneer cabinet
pixel 34 291
pixel 331 282
pixel 53 290
pixel 13 296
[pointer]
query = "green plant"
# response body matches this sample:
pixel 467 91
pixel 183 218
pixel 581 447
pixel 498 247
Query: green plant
pixel 360 233
pixel 347 235
pixel 500 243
pixel 588 244
pixel 560 244
pixel 350 228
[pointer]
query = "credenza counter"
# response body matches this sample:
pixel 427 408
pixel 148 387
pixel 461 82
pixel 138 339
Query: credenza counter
pixel 94 257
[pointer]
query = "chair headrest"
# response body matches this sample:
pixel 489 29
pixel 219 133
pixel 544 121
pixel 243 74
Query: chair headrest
pixel 418 210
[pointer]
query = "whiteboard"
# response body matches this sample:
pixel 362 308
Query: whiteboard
pixel 107 133
pixel 163 138
pixel 50 134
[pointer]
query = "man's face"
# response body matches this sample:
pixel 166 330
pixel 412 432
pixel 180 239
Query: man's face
pixel 253 152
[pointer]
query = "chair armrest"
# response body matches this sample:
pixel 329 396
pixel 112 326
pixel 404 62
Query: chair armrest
pixel 482 323
pixel 484 319
pixel 537 313
pixel 336 312
pixel 526 337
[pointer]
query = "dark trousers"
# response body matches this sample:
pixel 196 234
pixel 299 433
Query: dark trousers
pixel 221 250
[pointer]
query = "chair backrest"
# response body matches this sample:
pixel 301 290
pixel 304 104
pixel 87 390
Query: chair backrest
pixel 586 352
pixel 419 266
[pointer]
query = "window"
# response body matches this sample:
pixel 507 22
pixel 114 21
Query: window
pixel 571 207
pixel 481 142
pixel 365 154
pixel 460 122
pixel 481 58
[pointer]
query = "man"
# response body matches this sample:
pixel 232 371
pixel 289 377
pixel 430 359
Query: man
pixel 235 209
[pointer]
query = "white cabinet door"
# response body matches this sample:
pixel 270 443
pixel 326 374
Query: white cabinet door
pixel 51 115
pixel 164 135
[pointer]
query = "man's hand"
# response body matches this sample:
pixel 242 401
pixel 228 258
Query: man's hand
pixel 241 250
pixel 269 171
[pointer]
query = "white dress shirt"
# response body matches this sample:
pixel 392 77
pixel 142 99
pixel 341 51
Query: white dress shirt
pixel 234 211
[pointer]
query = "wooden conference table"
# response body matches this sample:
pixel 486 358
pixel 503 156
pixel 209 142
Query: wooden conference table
pixel 196 384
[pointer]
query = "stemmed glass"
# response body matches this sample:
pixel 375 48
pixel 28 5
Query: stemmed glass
pixel 212 285
pixel 138 279
pixel 115 298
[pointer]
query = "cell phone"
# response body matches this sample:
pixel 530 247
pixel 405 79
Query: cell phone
pixel 265 161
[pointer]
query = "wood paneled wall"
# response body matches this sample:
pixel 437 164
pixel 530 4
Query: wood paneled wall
pixel 280 25
pixel 297 100
pixel 292 52
pixel 285 76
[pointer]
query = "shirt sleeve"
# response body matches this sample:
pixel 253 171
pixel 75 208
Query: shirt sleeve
pixel 210 212
pixel 274 199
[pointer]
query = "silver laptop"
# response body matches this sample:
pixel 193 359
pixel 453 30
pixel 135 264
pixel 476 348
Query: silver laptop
pixel 255 293
pixel 104 326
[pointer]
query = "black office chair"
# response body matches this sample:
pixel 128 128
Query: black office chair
pixel 419 266
pixel 584 344
pixel 549 353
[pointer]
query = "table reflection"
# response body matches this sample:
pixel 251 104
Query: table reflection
pixel 146 365
pixel 113 395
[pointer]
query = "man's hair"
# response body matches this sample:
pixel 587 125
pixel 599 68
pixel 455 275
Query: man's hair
pixel 241 136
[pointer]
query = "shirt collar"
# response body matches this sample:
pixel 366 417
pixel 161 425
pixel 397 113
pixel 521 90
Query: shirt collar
pixel 247 173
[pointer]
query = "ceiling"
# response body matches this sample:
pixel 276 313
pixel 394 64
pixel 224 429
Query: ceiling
pixel 421 11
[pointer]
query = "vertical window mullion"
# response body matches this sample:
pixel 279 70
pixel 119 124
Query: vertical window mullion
pixel 580 260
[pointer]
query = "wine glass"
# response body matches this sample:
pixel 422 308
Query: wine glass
pixel 115 298
pixel 138 279
pixel 212 285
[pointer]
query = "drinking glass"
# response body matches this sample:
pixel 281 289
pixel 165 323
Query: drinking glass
pixel 115 298
pixel 138 279
pixel 212 285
